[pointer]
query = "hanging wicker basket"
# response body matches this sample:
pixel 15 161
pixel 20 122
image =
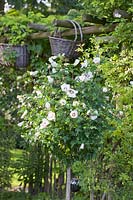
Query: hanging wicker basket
pixel 14 55
pixel 64 46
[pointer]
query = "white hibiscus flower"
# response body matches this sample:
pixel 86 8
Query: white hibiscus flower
pixel 65 87
pixel 75 103
pixel 54 71
pixel 84 64
pixel 96 60
pixel 47 105
pixel 33 73
pixel 131 83
pixel 63 102
pixel 93 117
pixel 82 146
pixel 52 62
pixel 105 89
pixel 44 123
pixel 93 114
pixel 39 93
pixel 51 116
pixel 86 76
pixel 74 114
pixel 20 124
pixel 71 93
pixel 76 62
pixel 50 79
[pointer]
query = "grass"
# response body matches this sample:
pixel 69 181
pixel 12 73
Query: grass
pixel 16 154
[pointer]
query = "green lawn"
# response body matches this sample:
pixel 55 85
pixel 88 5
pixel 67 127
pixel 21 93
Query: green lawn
pixel 16 154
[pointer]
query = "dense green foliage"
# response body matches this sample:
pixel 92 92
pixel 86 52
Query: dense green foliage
pixel 105 8
pixel 99 148
pixel 64 137
pixel 55 6
pixel 63 6
pixel 7 102
pixel 28 5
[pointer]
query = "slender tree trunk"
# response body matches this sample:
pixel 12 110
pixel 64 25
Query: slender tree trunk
pixel 103 196
pixel 60 183
pixel 109 196
pixel 31 188
pixel 54 186
pixel 50 174
pixel 54 179
pixel 38 169
pixel 46 173
pixel 91 195
pixel 68 188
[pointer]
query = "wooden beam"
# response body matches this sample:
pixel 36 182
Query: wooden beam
pixel 40 35
pixel 62 23
pixel 97 29
pixel 38 27
pixel 92 30
pixel 93 19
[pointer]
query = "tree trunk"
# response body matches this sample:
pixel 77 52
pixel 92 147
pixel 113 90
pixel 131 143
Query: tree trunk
pixel 109 196
pixel 54 179
pixel 50 174
pixel 68 187
pixel 30 188
pixel 91 195
pixel 60 183
pixel 103 196
pixel 46 173
pixel 38 169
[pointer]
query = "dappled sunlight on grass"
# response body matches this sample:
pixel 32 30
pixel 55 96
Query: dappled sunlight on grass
pixel 16 154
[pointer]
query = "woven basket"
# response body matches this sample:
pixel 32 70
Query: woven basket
pixel 14 55
pixel 64 46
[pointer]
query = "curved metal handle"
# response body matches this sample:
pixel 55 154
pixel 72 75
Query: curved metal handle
pixel 75 25
pixel 75 28
pixel 80 30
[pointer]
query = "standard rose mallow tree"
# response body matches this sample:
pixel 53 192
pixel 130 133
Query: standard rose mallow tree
pixel 69 108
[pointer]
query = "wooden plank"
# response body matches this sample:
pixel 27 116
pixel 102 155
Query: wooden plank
pixel 38 27
pixel 62 23
pixel 97 29
pixel 40 35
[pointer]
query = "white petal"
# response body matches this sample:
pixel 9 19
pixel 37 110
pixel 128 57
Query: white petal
pixel 76 62
pixel 82 146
